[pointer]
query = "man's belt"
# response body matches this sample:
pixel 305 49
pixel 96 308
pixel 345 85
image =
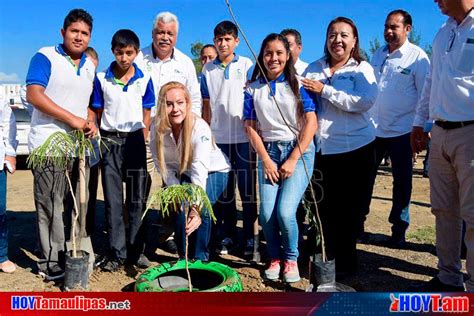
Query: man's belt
pixel 114 133
pixel 453 125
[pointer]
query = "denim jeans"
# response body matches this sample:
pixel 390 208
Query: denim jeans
pixel 278 202
pixel 199 240
pixel 3 217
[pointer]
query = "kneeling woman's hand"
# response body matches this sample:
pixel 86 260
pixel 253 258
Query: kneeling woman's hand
pixel 194 220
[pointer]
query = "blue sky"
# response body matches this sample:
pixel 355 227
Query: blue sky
pixel 26 25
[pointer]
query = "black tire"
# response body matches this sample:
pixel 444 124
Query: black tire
pixel 171 277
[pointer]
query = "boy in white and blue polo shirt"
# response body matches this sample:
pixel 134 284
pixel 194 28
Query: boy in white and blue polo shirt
pixel 222 90
pixel 59 85
pixel 123 97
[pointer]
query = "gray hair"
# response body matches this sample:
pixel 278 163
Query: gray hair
pixel 166 17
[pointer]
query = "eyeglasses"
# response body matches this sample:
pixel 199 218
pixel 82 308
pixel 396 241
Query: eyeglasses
pixel 452 37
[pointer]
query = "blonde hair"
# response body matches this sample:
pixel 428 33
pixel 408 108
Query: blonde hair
pixel 163 127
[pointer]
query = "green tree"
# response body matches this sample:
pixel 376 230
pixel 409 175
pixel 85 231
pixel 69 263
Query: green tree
pixel 414 37
pixel 196 53
pixel 374 45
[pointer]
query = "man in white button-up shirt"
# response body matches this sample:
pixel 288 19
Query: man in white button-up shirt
pixel 167 63
pixel 449 95
pixel 400 68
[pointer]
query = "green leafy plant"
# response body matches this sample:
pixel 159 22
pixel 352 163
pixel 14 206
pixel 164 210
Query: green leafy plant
pixel 59 150
pixel 181 198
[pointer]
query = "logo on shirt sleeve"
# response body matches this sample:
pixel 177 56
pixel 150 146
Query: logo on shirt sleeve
pixel 204 139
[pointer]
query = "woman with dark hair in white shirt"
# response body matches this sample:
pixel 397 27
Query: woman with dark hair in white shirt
pixel 346 88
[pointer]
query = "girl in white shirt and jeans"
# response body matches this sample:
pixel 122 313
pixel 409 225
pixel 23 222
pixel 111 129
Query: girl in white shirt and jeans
pixel 284 144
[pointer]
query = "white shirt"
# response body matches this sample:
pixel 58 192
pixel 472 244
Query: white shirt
pixel 178 67
pixel 224 87
pixel 260 105
pixel 68 86
pixel 449 87
pixel 300 66
pixel 7 130
pixel 122 104
pixel 347 96
pixel 207 157
pixel 400 76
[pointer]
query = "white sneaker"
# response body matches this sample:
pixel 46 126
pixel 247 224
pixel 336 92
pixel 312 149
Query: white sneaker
pixel 226 245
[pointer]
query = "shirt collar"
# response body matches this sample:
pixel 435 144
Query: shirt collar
pixel 60 50
pixel 156 57
pixel 280 78
pixel 234 60
pixel 469 16
pixel 402 49
pixel 109 74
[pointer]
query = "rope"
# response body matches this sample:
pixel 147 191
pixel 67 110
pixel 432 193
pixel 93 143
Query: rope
pixel 313 195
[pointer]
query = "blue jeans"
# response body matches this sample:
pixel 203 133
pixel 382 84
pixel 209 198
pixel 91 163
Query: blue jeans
pixel 3 217
pixel 241 159
pixel 199 240
pixel 278 202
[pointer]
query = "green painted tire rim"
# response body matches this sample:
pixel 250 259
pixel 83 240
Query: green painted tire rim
pixel 231 281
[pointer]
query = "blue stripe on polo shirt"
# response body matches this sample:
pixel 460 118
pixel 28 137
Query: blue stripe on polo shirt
pixel 148 99
pixel 97 95
pixel 309 104
pixel 109 74
pixel 204 88
pixel 280 78
pixel 249 108
pixel 250 72
pixel 39 71
pixel 227 68
pixel 60 49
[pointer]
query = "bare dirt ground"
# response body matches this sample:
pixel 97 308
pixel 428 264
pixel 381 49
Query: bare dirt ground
pixel 381 268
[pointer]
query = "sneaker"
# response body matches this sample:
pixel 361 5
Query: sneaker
pixel 291 272
pixel 53 273
pixel 273 270
pixel 170 246
pixel 143 262
pixel 112 265
pixel 226 245
pixel 435 285
pixel 248 250
pixel 7 267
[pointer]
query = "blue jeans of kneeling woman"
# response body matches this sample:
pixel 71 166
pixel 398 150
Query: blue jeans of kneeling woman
pixel 199 239
pixel 278 202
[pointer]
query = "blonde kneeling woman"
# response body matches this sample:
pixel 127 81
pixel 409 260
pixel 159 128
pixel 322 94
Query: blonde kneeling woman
pixel 183 151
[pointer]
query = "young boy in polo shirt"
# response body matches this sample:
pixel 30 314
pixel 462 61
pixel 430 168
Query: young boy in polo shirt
pixel 222 89
pixel 59 85
pixel 123 96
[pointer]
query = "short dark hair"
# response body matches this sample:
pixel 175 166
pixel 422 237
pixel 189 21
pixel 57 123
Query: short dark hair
pixel 225 28
pixel 123 38
pixel 207 46
pixel 295 34
pixel 76 15
pixel 406 16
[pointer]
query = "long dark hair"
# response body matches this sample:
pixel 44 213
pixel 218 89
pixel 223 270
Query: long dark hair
pixel 289 71
pixel 356 50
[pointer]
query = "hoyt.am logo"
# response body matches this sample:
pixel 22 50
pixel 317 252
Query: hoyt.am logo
pixel 426 302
